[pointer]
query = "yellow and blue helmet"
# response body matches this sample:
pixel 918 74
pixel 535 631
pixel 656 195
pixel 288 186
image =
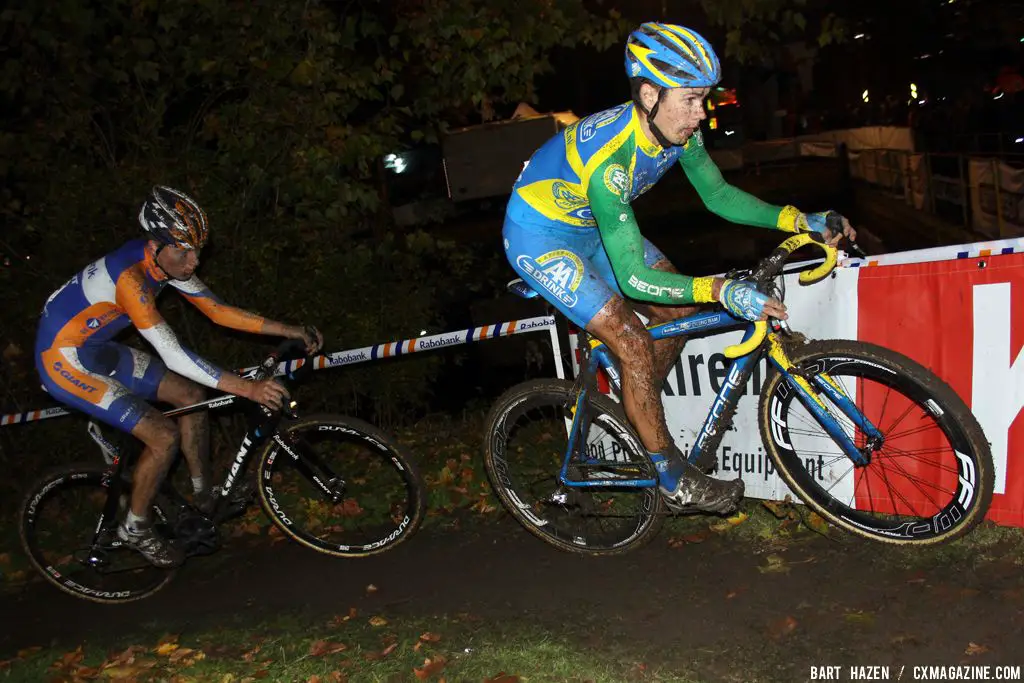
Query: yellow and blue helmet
pixel 671 56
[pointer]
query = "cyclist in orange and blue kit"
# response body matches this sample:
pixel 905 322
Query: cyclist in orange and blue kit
pixel 81 366
pixel 570 232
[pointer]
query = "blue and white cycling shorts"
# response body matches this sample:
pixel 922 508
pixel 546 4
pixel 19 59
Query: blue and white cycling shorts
pixel 567 266
pixel 107 381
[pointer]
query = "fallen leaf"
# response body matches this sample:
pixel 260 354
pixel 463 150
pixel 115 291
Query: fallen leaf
pixel 817 523
pixel 375 656
pixel 251 654
pixel 120 671
pixel 168 638
pixel 503 677
pixel 127 656
pixel 781 510
pixel 84 673
pixel 730 522
pixel 313 679
pixel 430 637
pixel 29 651
pixel 180 654
pixel 378 621
pixel 189 659
pixel 859 616
pixel 371 589
pixel 680 541
pixel 165 649
pixel 775 565
pixel 69 658
pixel 782 627
pixel 429 668
pixel 262 673
pixel 904 639
pixel 321 648
pixel 338 677
pixel 975 649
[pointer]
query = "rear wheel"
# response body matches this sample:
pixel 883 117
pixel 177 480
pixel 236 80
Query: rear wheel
pixel 526 441
pixel 58 522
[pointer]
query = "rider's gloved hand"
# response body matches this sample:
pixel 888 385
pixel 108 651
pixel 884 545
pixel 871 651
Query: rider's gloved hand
pixel 744 301
pixel 268 392
pixel 831 224
pixel 310 336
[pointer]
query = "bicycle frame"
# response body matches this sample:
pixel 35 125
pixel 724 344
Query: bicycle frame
pixel 596 356
pixel 258 432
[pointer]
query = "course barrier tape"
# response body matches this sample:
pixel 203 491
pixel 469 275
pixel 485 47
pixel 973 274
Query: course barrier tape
pixel 369 353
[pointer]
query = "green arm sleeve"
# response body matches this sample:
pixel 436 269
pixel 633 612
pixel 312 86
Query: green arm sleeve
pixel 728 201
pixel 608 192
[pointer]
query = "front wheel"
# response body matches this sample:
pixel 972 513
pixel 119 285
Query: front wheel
pixel 340 486
pixel 928 480
pixel 58 527
pixel 526 438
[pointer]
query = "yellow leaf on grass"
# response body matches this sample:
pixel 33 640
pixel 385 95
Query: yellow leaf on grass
pixel 859 616
pixel 430 637
pixel 122 671
pixel 730 522
pixel 378 621
pixel 187 656
pixel 775 565
pixel 975 649
pixel 165 649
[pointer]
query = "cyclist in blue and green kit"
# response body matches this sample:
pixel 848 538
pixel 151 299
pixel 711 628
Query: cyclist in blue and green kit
pixel 571 234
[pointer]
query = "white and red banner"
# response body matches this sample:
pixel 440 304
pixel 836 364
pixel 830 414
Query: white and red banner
pixel 957 310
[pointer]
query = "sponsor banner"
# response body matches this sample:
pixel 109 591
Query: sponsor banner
pixel 964 320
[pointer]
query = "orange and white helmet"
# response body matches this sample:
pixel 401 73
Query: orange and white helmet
pixel 173 218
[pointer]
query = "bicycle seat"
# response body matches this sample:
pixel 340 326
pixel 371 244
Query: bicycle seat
pixel 520 288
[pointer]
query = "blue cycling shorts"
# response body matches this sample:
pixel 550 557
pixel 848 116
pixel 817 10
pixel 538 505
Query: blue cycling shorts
pixel 567 266
pixel 108 381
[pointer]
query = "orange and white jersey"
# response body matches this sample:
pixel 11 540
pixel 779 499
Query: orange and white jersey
pixel 119 290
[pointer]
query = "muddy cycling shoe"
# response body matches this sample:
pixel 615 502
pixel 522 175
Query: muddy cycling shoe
pixel 697 492
pixel 206 501
pixel 159 551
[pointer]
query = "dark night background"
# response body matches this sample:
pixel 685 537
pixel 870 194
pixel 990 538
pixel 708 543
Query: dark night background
pixel 277 117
